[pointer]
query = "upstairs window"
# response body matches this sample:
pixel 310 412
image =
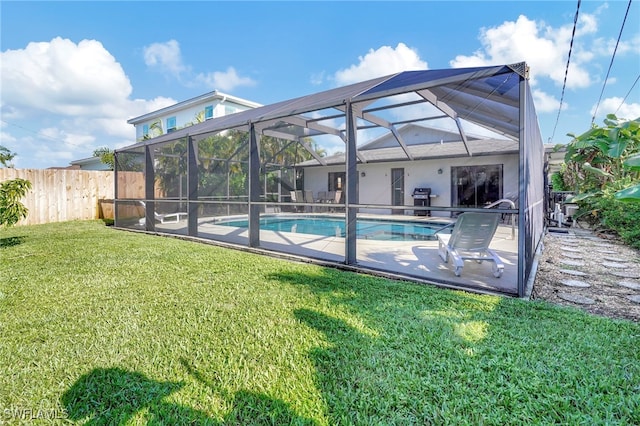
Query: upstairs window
pixel 145 131
pixel 171 124
pixel 229 109
pixel 208 112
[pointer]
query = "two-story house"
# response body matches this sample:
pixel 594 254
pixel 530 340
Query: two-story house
pixel 183 114
pixel 186 113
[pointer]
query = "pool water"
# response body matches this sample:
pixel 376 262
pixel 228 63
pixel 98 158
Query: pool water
pixel 384 230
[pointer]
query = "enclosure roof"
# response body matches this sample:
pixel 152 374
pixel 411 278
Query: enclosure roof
pixel 487 96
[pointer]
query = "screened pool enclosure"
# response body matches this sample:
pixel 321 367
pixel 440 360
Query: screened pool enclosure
pixel 372 176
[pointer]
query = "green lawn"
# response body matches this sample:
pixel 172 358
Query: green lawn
pixel 114 327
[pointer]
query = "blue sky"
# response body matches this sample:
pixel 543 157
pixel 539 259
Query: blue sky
pixel 72 73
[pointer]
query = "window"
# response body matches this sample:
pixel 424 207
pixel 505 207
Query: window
pixel 171 124
pixel 229 109
pixel 208 112
pixel 476 186
pixel 145 130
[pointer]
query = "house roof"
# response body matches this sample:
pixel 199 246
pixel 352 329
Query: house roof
pixel 415 134
pixel 478 147
pixel 485 96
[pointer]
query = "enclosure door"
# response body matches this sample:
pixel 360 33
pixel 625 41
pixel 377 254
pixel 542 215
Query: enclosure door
pixel 397 190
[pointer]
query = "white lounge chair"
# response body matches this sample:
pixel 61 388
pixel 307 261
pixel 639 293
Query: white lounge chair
pixel 164 218
pixel 469 240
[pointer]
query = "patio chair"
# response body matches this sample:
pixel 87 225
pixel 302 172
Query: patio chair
pixel 297 197
pixel 336 197
pixel 308 198
pixel 469 240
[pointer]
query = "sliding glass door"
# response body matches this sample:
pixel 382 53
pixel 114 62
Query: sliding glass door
pixel 476 186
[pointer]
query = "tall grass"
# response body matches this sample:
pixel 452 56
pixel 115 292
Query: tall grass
pixel 115 327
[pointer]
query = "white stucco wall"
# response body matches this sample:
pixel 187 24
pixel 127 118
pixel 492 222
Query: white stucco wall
pixel 375 186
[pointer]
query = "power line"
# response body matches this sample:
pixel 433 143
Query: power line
pixel 611 63
pixel 628 93
pixel 40 134
pixel 566 71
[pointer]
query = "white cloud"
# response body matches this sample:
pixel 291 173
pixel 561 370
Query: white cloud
pixel 543 48
pixel 7 139
pixel 62 77
pixel 611 105
pixel 605 47
pixel 545 102
pixel 317 78
pixel 62 100
pixel 70 139
pixel 165 56
pixel 226 81
pixel 383 61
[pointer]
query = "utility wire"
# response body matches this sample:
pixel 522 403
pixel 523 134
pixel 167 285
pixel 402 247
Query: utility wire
pixel 628 93
pixel 566 71
pixel 41 135
pixel 611 63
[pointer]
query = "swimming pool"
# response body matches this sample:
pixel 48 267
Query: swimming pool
pixel 373 229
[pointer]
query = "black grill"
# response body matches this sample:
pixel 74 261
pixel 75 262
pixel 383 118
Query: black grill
pixel 422 198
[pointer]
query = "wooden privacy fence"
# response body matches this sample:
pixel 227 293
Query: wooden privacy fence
pixel 59 195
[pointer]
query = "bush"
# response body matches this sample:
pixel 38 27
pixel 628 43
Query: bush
pixel 621 217
pixel 557 182
pixel 603 166
pixel 11 209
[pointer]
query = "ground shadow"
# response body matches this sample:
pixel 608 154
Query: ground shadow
pixel 373 375
pixel 251 408
pixel 115 396
pixel 410 354
pixel 11 241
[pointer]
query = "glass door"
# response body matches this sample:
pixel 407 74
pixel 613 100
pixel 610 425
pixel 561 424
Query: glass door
pixel 476 186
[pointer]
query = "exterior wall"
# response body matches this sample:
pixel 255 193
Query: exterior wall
pixel 90 164
pixel 375 186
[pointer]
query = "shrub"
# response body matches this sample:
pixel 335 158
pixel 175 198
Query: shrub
pixel 621 217
pixel 557 182
pixel 602 166
pixel 11 209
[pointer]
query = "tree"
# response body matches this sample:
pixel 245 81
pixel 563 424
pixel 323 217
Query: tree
pixel 106 156
pixel 11 191
pixel 599 159
pixel 6 156
pixel 632 193
pixel 603 168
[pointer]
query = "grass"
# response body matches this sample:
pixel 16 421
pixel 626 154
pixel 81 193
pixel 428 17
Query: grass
pixel 113 327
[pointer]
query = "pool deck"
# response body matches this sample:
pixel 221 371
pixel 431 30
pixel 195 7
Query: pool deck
pixel 418 260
